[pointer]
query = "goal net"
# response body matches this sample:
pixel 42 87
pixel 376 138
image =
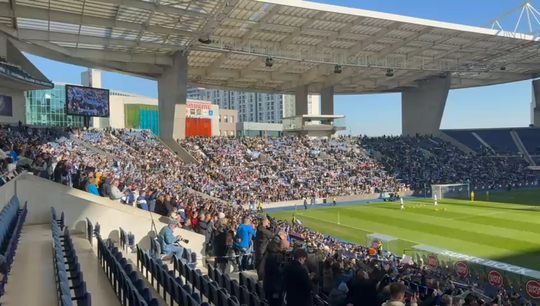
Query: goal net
pixel 450 191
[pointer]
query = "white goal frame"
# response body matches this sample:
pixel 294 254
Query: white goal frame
pixel 436 189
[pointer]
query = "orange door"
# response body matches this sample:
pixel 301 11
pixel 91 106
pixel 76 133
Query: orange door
pixel 190 126
pixel 199 126
pixel 207 127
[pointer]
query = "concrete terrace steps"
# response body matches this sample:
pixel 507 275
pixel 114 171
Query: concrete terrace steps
pixel 32 279
pixel 96 280
pixel 32 268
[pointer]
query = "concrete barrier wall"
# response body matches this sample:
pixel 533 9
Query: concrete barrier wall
pixel 78 205
pixel 343 199
pixel 6 192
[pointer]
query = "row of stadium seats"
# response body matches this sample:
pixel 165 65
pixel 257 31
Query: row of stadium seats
pixel 170 287
pixel 247 291
pixel 500 140
pixel 11 221
pixel 66 261
pixel 125 281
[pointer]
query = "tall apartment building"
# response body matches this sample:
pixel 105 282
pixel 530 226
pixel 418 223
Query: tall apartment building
pixel 254 107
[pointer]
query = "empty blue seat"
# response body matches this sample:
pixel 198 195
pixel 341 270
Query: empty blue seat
pixel 132 289
pixel 12 218
pixel 69 276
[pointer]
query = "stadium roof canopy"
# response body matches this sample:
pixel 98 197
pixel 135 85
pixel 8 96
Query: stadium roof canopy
pixel 305 40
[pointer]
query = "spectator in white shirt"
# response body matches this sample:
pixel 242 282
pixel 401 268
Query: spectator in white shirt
pixel 116 194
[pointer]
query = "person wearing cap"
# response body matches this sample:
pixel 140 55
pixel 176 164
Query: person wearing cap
pixel 169 242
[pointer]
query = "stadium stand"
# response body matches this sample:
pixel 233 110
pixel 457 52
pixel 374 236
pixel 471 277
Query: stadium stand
pixel 148 176
pixel 529 137
pixel 499 140
pixel 16 72
pixel 12 219
pixel 466 137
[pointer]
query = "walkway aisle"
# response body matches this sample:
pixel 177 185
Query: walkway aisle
pixel 32 280
pixel 96 281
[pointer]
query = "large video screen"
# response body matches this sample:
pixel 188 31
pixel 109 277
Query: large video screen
pixel 87 101
pixel 6 106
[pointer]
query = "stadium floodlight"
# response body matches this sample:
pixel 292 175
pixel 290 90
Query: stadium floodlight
pixel 461 190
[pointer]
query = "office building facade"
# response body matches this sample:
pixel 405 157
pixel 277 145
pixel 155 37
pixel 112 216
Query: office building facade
pixel 252 106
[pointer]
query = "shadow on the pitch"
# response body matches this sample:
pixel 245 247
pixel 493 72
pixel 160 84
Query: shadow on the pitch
pixel 471 204
pixel 528 259
pixel 524 196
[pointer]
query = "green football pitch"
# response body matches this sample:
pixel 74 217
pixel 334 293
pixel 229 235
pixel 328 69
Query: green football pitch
pixel 504 227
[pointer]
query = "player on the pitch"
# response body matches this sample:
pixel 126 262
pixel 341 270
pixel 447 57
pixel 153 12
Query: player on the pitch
pixel 401 200
pixel 435 199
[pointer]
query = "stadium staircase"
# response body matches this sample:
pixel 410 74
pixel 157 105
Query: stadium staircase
pixel 180 151
pixel 522 148
pixel 483 142
pixel 91 147
pixel 446 136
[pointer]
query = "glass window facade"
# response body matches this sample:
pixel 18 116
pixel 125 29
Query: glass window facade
pixel 140 116
pixel 48 107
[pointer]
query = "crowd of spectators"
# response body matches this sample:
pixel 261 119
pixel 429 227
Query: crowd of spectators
pixel 421 161
pixel 138 170
pixel 272 169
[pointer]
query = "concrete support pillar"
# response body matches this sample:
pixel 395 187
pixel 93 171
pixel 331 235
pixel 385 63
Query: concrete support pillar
pixel 3 47
pixel 535 103
pixel 301 100
pixel 422 108
pixel 172 96
pixel 327 101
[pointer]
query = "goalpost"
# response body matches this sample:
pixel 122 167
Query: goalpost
pixel 442 191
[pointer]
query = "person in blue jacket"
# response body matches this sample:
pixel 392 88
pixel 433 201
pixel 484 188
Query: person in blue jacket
pixel 169 242
pixel 92 188
pixel 242 241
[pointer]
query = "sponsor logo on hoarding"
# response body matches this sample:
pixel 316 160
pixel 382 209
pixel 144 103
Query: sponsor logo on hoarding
pixel 495 278
pixel 462 269
pixel 533 289
pixel 433 261
pixel 491 264
pixel 375 243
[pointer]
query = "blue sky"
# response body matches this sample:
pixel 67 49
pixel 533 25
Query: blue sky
pixel 493 106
